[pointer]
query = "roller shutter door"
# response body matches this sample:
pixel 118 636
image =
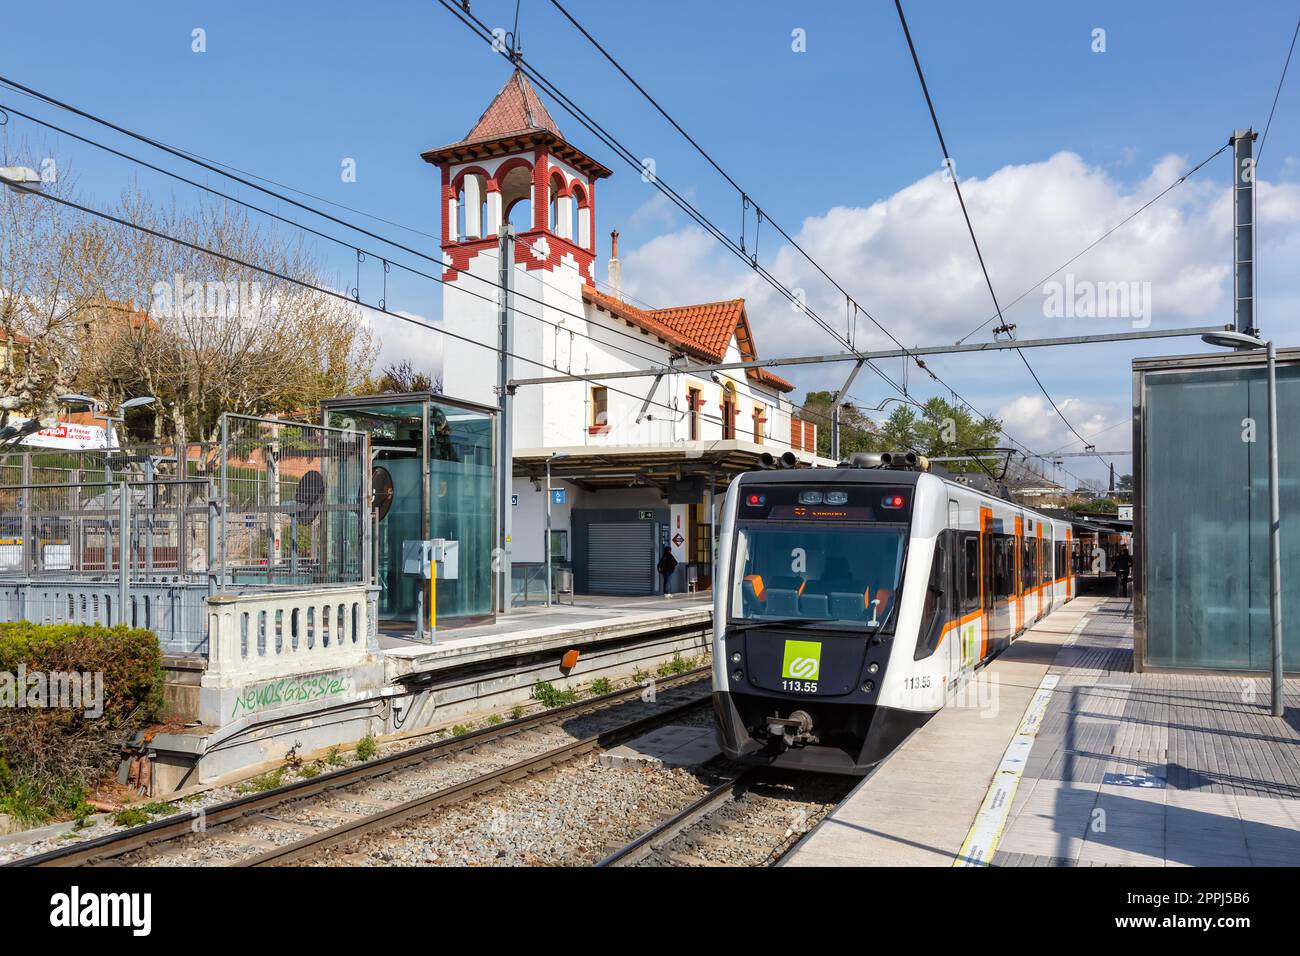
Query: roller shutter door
pixel 621 557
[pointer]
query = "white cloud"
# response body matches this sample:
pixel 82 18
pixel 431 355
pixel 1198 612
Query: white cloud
pixel 909 260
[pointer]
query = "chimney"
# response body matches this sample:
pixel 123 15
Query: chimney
pixel 615 267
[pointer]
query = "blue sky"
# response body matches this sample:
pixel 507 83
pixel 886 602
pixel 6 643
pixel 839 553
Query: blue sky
pixel 289 90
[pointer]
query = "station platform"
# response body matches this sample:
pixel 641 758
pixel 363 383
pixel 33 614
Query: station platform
pixel 539 629
pixel 1067 758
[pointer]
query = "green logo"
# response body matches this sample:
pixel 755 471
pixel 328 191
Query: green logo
pixel 803 660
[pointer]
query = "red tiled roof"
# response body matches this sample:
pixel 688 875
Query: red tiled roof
pixel 515 109
pixel 647 321
pixel 703 330
pixel 766 377
pixel 515 121
pixel 710 325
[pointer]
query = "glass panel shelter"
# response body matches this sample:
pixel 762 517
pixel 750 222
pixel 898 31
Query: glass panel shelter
pixel 1202 583
pixel 436 454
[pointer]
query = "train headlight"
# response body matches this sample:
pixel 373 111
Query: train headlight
pixel 735 658
pixel 869 686
pixel 737 675
pixel 873 667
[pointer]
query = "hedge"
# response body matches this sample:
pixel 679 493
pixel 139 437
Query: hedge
pixel 52 757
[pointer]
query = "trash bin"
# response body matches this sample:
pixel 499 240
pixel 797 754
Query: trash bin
pixel 564 583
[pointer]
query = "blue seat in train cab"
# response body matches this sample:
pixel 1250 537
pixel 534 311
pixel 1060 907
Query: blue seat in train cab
pixel 771 597
pixel 814 604
pixel 847 606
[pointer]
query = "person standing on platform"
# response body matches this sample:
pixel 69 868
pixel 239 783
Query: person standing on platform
pixel 667 565
pixel 1123 568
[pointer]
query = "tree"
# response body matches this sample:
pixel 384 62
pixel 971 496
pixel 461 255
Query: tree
pixel 857 432
pixel 52 264
pixel 899 433
pixel 399 377
pixel 207 335
pixel 947 430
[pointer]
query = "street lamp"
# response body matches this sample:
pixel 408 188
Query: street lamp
pixel 75 398
pixel 23 177
pixel 555 456
pixel 1240 340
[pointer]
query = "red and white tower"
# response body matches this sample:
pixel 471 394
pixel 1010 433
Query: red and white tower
pixel 513 166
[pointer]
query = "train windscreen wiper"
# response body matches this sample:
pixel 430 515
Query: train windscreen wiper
pixel 762 622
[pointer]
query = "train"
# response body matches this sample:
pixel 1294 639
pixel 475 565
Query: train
pixel 854 602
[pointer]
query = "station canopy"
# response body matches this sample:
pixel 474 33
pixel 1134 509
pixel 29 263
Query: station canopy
pixel 594 467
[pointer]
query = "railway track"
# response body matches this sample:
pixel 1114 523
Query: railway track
pixel 751 819
pixel 303 834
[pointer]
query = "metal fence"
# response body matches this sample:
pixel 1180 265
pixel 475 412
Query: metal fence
pixel 129 552
pixel 143 535
pixel 146 462
pixel 295 503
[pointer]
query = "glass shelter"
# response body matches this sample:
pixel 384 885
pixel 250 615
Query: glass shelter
pixel 432 474
pixel 1201 575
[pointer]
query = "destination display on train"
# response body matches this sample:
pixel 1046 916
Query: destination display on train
pixel 834 503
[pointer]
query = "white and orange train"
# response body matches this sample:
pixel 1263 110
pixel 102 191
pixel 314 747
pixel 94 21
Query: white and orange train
pixel 853 603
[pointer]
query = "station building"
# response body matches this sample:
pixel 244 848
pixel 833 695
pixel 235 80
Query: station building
pixel 636 463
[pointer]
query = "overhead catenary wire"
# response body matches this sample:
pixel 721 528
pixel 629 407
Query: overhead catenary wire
pixel 333 293
pixel 335 239
pixel 805 413
pixel 746 199
pixel 667 369
pixel 484 32
pixel 1096 242
pixel 1281 79
pixel 211 166
pixel 970 228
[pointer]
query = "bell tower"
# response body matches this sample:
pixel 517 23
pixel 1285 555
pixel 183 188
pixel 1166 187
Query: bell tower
pixel 515 166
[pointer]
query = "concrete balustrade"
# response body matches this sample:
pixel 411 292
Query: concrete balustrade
pixel 270 650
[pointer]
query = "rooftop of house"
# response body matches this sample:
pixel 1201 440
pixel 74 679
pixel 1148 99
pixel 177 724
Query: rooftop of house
pixel 703 331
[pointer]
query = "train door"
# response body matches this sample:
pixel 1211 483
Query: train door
pixel 987 558
pixel 1038 567
pixel 953 585
pixel 1018 577
pixel 1068 570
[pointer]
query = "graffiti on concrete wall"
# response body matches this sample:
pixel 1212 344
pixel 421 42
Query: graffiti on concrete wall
pixel 288 690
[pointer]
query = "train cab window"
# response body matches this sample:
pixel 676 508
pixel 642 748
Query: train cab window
pixel 938 600
pixel 823 574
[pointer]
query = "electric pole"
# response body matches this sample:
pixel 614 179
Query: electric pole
pixel 505 398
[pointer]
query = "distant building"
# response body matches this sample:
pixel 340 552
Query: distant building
pixel 640 455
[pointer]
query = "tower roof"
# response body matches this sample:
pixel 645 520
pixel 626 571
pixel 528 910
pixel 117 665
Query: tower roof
pixel 515 121
pixel 516 109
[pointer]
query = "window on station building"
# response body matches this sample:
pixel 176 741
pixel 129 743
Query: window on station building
pixel 760 419
pixel 693 401
pixel 729 411
pixel 559 546
pixel 599 409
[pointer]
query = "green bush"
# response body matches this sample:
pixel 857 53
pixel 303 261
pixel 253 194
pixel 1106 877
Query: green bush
pixel 51 757
pixel 551 696
pixel 367 747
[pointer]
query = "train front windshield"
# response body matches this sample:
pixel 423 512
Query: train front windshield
pixel 848 574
